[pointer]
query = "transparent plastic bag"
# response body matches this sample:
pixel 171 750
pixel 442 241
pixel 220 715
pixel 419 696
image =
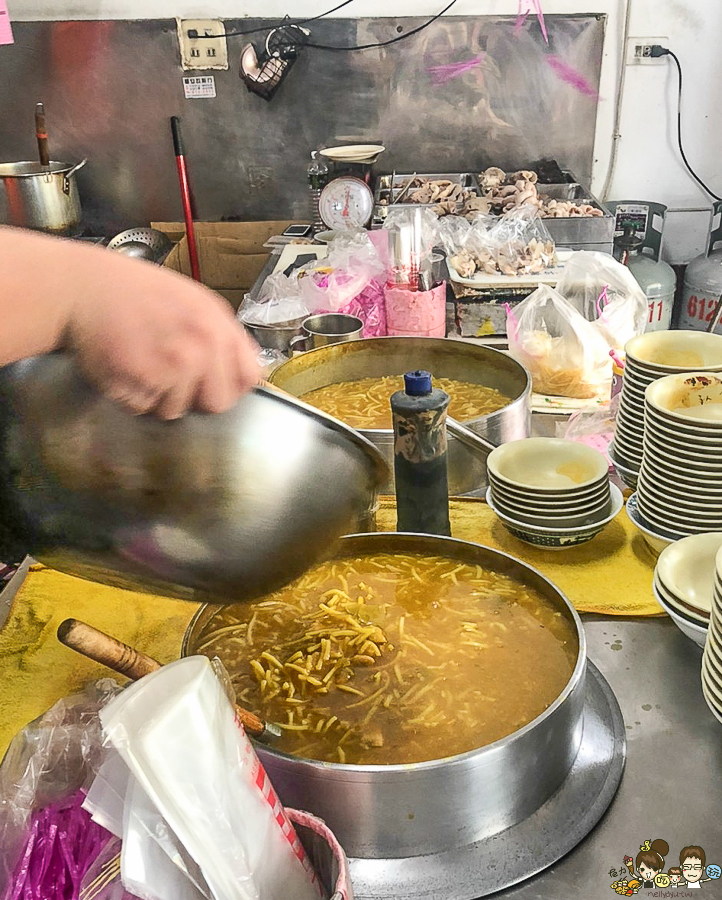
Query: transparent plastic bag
pixel 279 302
pixel 520 243
pixel 604 291
pixel 349 280
pixel 452 233
pixel 595 428
pixel 194 774
pixel 43 769
pixel 565 354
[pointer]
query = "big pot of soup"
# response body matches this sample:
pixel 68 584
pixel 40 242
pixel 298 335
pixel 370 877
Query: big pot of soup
pixel 490 393
pixel 429 690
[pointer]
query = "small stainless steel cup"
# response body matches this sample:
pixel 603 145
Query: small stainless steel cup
pixel 327 328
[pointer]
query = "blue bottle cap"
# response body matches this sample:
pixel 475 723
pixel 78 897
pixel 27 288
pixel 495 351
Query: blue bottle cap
pixel 417 383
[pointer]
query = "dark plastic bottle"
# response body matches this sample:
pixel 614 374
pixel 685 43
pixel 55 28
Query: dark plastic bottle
pixel 422 488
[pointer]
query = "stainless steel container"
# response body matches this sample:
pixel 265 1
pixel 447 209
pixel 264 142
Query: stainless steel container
pixel 44 200
pixel 393 811
pixel 223 507
pixel 274 337
pixel 443 358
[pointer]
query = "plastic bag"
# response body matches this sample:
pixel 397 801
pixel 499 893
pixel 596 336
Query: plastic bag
pixel 565 354
pixel 45 764
pixel 595 428
pixel 604 291
pixel 452 233
pixel 336 280
pixel 195 779
pixel 516 243
pixel 279 302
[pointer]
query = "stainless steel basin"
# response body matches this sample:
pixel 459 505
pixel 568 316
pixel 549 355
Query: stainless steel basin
pixel 443 358
pixel 225 507
pixel 396 811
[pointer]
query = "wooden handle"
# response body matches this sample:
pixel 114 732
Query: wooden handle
pixel 42 135
pixel 105 649
pixel 121 658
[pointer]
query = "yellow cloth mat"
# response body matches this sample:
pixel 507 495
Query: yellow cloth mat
pixel 611 574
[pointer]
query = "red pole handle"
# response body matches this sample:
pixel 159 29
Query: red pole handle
pixel 185 197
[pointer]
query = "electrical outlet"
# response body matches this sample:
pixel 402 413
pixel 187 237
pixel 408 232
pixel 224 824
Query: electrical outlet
pixel 639 51
pixel 202 44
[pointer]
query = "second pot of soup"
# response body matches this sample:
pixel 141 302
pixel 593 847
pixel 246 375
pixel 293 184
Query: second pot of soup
pixel 490 393
pixel 429 690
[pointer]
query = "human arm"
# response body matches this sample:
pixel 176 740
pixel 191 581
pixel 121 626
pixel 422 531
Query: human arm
pixel 147 337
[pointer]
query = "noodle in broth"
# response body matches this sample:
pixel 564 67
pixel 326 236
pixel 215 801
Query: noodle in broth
pixel 394 658
pixel 366 403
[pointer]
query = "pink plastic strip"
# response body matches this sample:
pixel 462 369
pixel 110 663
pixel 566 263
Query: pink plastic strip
pixel 6 32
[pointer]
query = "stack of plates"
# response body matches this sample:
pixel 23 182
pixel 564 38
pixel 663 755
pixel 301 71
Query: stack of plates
pixel 712 658
pixel 551 492
pixel 680 482
pixel 353 153
pixel 684 582
pixel 649 357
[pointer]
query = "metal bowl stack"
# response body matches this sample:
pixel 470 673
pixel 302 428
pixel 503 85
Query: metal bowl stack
pixel 684 582
pixel 680 482
pixel 712 658
pixel 550 492
pixel 649 357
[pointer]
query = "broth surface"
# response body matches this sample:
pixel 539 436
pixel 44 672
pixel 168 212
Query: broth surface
pixel 394 658
pixel 366 403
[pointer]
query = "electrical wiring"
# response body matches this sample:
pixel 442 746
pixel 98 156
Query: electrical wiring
pixel 284 22
pixel 401 37
pixel 658 50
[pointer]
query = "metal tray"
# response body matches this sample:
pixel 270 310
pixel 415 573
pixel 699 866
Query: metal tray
pixel 385 190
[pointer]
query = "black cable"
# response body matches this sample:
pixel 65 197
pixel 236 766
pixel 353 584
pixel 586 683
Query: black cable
pixel 663 51
pixel 401 37
pixel 328 12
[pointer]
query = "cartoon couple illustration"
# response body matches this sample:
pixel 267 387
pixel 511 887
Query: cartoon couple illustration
pixel 650 864
pixel 649 867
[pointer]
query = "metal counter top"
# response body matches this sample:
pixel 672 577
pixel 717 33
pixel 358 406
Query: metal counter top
pixel 672 784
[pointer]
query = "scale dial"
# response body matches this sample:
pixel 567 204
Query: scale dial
pixel 346 202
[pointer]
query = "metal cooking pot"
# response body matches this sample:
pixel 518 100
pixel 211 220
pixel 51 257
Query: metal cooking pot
pixel 382 812
pixel 443 358
pixel 223 507
pixel 32 196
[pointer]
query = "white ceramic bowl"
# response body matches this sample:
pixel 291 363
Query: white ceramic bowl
pixel 687 569
pixel 628 475
pixel 560 504
pixel 682 430
pixel 675 351
pixel 690 399
pixel 685 611
pixel 696 633
pixel 558 538
pixel 715 706
pixel 656 540
pixel 548 465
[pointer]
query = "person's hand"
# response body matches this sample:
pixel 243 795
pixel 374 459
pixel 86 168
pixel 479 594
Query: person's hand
pixel 157 342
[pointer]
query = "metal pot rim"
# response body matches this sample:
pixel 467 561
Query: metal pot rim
pixel 54 168
pixel 322 769
pixel 388 432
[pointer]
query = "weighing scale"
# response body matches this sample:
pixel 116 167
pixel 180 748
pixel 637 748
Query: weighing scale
pixel 346 202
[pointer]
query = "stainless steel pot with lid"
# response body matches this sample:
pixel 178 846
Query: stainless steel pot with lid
pixel 44 198
pixel 382 812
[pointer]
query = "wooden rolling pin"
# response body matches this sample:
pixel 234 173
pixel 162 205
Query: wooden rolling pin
pixel 128 661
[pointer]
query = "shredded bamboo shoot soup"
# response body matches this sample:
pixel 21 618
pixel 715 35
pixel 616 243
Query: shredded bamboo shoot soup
pixel 366 403
pixel 394 658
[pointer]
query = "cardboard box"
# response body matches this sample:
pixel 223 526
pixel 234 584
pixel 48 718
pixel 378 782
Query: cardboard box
pixel 230 254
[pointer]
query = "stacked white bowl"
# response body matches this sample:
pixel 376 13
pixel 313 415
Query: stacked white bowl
pixel 551 492
pixel 684 582
pixel 649 357
pixel 680 482
pixel 712 657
